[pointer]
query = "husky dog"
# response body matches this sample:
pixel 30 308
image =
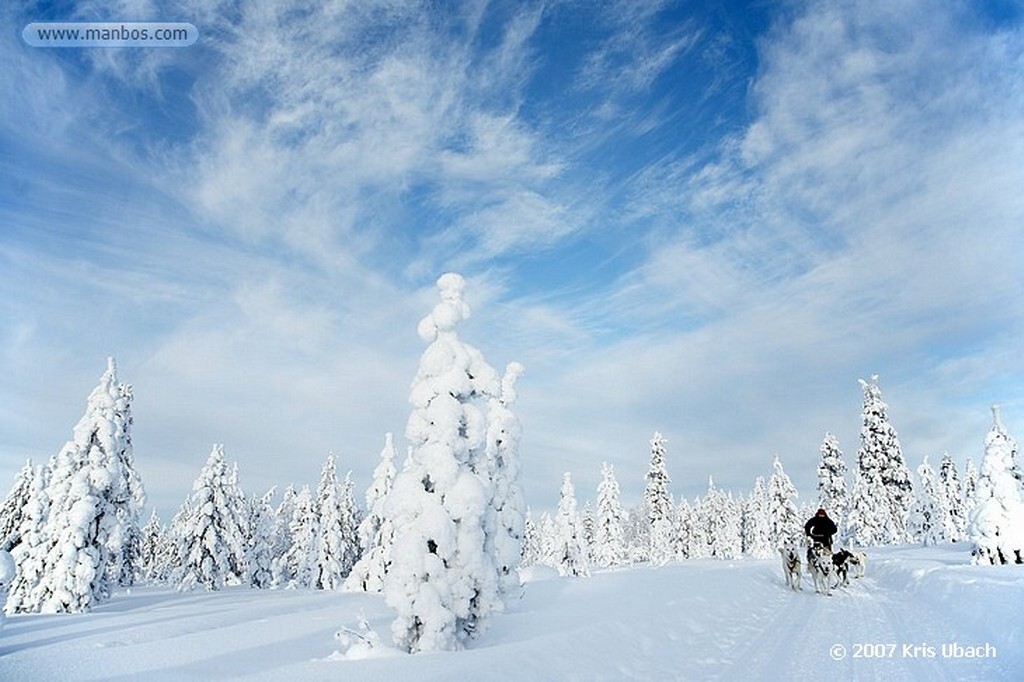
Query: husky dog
pixel 791 566
pixel 841 560
pixel 820 566
pixel 859 560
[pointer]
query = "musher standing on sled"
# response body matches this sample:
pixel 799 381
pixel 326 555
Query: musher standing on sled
pixel 820 529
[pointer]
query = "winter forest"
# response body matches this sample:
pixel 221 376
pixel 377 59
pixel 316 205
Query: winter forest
pixel 443 534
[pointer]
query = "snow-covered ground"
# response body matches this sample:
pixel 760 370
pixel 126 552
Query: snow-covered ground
pixel 697 620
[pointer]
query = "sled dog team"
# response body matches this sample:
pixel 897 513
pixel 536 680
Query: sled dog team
pixel 821 561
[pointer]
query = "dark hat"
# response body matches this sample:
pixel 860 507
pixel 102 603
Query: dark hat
pixel 821 512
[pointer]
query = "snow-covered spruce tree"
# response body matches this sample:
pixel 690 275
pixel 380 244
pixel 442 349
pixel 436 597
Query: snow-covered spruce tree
pixel 154 565
pixel 997 524
pixel 89 545
pixel 659 505
pixel 210 535
pixel 279 568
pixel 638 534
pixel 331 541
pixel 532 550
pixel 298 566
pixel 13 507
pixel 351 518
pixel 924 522
pixel 506 509
pixel 259 546
pixel 785 524
pixel 954 518
pixel 587 528
pixel 609 534
pixel 722 523
pixel 442 583
pixel 757 539
pixel 684 532
pixel 570 548
pixel 548 535
pixel 832 495
pixel 29 553
pixel 376 531
pixel 882 491
pixel 970 491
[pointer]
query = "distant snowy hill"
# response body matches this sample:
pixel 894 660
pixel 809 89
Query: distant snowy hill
pixel 919 614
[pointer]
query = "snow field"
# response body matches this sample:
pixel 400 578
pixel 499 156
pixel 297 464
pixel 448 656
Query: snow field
pixel 696 620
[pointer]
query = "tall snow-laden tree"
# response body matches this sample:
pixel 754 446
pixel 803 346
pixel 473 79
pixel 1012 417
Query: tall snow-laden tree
pixel 29 554
pixel 211 534
pixel 13 507
pixel 925 520
pixel 90 541
pixel 684 530
pixel 609 534
pixel 376 531
pixel 832 495
pixel 298 567
pixel 570 548
pixel 259 547
pixel 332 551
pixel 997 524
pixel 506 510
pixel 659 505
pixel 785 525
pixel 442 583
pixel 757 538
pixel 722 523
pixel 882 491
pixel 156 564
pixel 954 517
pixel 532 542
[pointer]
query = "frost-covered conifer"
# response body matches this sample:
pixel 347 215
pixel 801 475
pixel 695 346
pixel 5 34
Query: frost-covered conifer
pixel 506 511
pixel 333 529
pixel 832 495
pixel 13 507
pixel 155 563
pixel 29 553
pixel 298 566
pixel 684 530
pixel 569 545
pixel 442 583
pixel 997 525
pixel 259 548
pixel 211 532
pixel 757 539
pixel 532 542
pixel 609 533
pixel 658 503
pixel 376 531
pixel 882 491
pixel 954 518
pixel 925 520
pixel 785 525
pixel 89 543
pixel 722 523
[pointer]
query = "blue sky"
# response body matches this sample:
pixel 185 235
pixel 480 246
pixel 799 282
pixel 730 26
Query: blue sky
pixel 704 218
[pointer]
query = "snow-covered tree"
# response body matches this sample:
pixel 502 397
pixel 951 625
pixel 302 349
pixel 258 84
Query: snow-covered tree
pixel 156 563
pixel 332 550
pixel 532 542
pixel 89 544
pixel 609 533
pixel 882 490
pixel 721 519
pixel 954 518
pixel 29 554
pixel 13 507
pixel 757 538
pixel 376 531
pixel 659 505
pixel 684 530
pixel 210 535
pixel 785 525
pixel 442 583
pixel 506 510
pixel 997 526
pixel 970 490
pixel 570 547
pixel 259 546
pixel 281 572
pixel 925 519
pixel 298 566
pixel 832 495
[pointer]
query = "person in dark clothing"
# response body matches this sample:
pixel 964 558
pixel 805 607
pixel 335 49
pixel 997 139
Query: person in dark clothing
pixel 820 528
